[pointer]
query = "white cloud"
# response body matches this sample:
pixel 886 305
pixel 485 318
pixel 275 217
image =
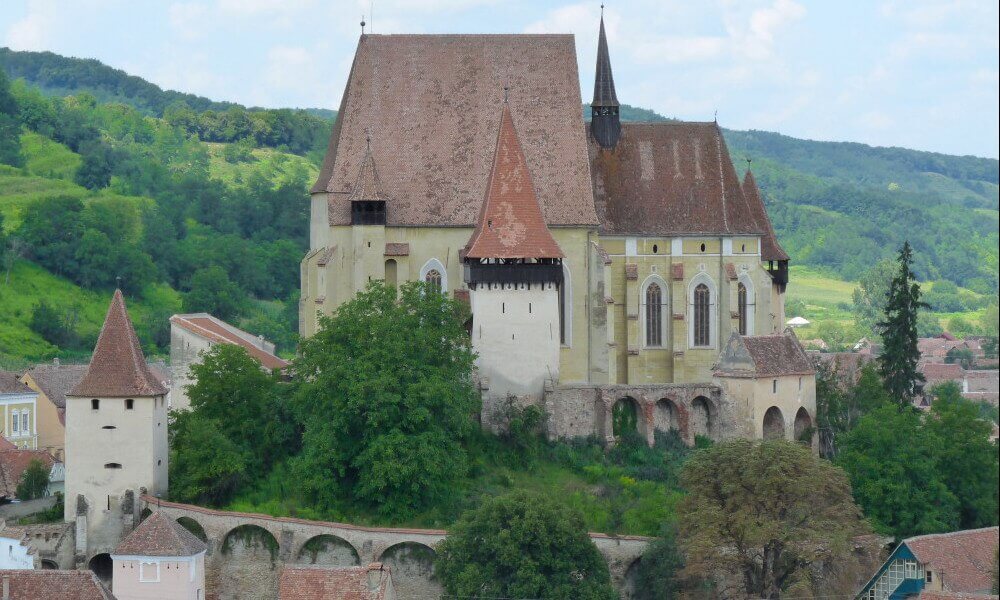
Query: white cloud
pixel 34 31
pixel 188 19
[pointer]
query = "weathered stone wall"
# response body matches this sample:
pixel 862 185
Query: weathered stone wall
pixel 575 411
pixel 246 551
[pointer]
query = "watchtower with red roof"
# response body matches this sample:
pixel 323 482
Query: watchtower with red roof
pixel 513 267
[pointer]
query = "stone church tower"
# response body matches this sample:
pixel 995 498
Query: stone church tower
pixel 513 267
pixel 116 437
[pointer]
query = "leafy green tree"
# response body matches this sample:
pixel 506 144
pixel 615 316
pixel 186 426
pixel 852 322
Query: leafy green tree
pixel 928 325
pixel 386 398
pixel 872 294
pixel 522 546
pixel 10 127
pixel 892 461
pixel 966 459
pixel 765 513
pixel 51 230
pixel 840 406
pixel 898 362
pixel 34 481
pixel 95 170
pixel 232 390
pixel 213 292
pixel 659 575
pixel 55 327
pixel 206 467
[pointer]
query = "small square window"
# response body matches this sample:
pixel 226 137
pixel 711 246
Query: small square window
pixel 95 404
pixel 129 404
pixel 930 577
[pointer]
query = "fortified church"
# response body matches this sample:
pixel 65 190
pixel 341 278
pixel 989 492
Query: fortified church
pixel 618 274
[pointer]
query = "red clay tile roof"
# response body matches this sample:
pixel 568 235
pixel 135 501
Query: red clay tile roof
pixel 342 583
pixel 56 381
pixel 403 87
pixel 631 271
pixel 764 356
pixel 12 466
pixel 677 271
pixel 10 383
pixel 929 595
pixel 159 535
pixel 964 559
pixel 669 179
pixel 942 371
pixel 118 368
pixel 52 584
pixel 216 330
pixel 770 249
pixel 397 249
pixel 510 223
pixel 731 271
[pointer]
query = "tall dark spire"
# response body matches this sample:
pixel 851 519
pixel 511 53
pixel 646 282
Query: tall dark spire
pixel 605 124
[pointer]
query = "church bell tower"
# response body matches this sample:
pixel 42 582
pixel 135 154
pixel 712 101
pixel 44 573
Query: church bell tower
pixel 605 122
pixel 513 267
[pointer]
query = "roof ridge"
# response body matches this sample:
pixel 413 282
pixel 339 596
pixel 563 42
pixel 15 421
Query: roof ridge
pixel 950 533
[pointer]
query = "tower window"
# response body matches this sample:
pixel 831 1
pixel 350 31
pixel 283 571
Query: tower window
pixel 655 248
pixel 95 404
pixel 743 248
pixel 129 404
pixel 654 315
pixel 109 427
pixel 112 466
pixel 703 247
pixel 433 277
pixel 774 386
pixel 741 294
pixel 702 315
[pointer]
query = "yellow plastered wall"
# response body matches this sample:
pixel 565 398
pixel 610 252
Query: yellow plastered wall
pixel 51 431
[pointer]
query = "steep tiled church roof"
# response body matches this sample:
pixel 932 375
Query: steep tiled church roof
pixel 671 178
pixel 118 368
pixel 159 535
pixel 511 224
pixel 432 99
pixel 770 249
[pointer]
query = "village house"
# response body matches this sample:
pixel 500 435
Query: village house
pixel 13 462
pixel 943 565
pixel 193 334
pixel 65 585
pixel 18 403
pixel 159 560
pixel 15 549
pixel 52 382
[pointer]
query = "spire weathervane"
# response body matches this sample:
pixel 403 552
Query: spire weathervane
pixel 363 24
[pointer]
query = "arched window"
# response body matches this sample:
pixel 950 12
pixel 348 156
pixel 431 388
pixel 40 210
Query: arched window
pixel 434 272
pixel 433 277
pixel 654 315
pixel 702 315
pixel 741 303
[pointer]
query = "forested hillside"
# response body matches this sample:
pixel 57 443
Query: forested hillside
pixel 202 205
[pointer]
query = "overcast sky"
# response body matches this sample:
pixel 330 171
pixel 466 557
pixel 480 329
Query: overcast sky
pixel 920 73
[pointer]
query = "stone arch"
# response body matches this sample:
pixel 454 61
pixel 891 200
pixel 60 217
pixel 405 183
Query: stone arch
pixel 435 265
pixel 49 564
pixel 774 424
pixel 703 278
pixel 665 416
pixel 646 311
pixel 412 567
pixel 803 426
pixel 248 566
pixel 630 582
pixel 328 550
pixel 626 417
pixel 194 527
pixel 103 567
pixel 702 419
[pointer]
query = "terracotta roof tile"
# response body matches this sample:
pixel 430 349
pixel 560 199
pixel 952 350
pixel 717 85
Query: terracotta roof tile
pixel 159 535
pixel 10 383
pixel 510 223
pixel 220 332
pixel 326 256
pixel 631 271
pixel 677 271
pixel 770 249
pixel 731 271
pixel 669 179
pixel 118 368
pixel 942 372
pixel 56 381
pixel 932 595
pixel 963 558
pixel 764 356
pixel 12 466
pixel 64 585
pixel 403 86
pixel 462 296
pixel 397 249
pixel 367 185
pixel 343 583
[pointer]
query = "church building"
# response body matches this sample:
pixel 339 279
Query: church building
pixel 606 263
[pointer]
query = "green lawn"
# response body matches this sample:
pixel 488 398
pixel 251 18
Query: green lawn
pixel 277 166
pixel 46 158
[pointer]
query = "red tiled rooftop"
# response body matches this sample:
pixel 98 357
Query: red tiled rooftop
pixel 51 584
pixel 964 559
pixel 344 583
pixel 216 331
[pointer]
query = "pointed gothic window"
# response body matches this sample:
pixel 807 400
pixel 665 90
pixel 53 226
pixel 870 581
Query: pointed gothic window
pixel 433 277
pixel 741 294
pixel 654 315
pixel 702 315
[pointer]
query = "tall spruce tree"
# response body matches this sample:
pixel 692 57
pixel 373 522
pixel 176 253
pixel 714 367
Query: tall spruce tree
pixel 898 362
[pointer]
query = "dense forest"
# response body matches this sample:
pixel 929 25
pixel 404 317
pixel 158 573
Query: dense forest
pixel 107 179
